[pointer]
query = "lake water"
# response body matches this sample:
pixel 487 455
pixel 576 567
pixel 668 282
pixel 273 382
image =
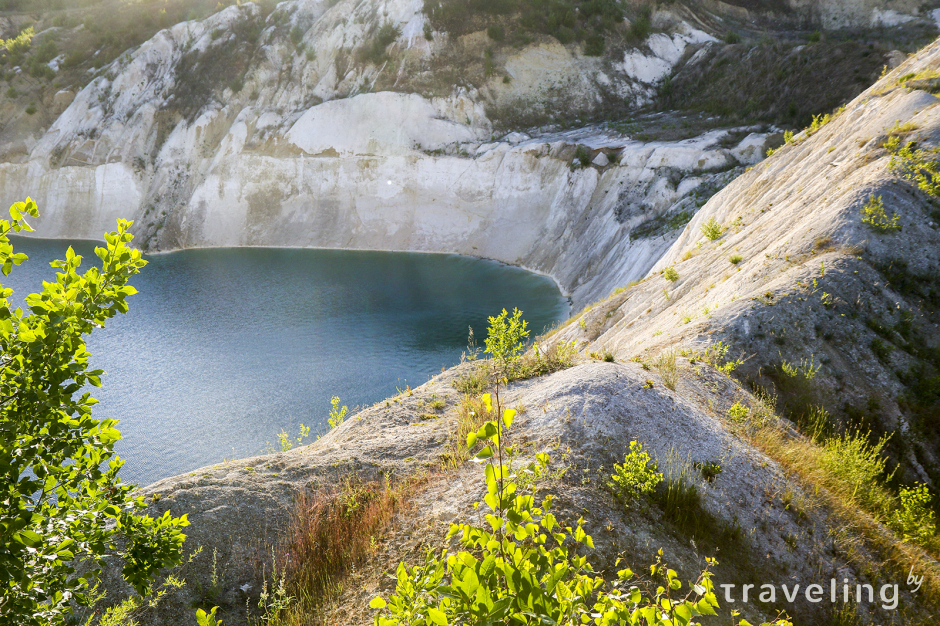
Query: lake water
pixel 224 348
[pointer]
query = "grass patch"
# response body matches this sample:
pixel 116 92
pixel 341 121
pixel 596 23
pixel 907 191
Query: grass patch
pixel 475 381
pixel 661 224
pixel 666 366
pixel 332 530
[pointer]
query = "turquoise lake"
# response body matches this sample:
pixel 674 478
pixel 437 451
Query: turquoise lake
pixel 224 348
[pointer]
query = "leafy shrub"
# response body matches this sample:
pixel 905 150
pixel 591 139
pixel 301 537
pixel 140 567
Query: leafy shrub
pixel 337 414
pixel 17 47
pixel 860 466
pixel 732 37
pixel 285 442
pixel 738 412
pixel 374 51
pixel 874 216
pixel 66 504
pixel 641 26
pixel 428 32
pixel 735 258
pixel 583 156
pixel 496 32
pixel 31 108
pixel 594 45
pixel 504 338
pixel 814 36
pixel 671 274
pixel 297 35
pixel 915 164
pixel 637 476
pixel 712 229
pixel 914 521
pixel 710 469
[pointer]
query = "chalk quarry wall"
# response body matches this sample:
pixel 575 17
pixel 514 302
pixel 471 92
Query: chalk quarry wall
pixel 298 157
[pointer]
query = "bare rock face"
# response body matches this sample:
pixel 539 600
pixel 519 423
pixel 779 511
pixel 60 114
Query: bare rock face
pixel 797 275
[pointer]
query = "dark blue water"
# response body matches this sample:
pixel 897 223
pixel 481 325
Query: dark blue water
pixel 224 348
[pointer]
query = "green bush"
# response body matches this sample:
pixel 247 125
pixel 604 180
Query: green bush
pixel 735 259
pixel 874 216
pixel 65 503
pixel 505 338
pixel 496 33
pixel 374 51
pixel 859 464
pixel 31 108
pixel 641 26
pixel 712 229
pixel 583 156
pixel 738 413
pixel 337 414
pixel 671 274
pixel 915 164
pixel 594 45
pixel 637 476
pixel 914 521
pixel 297 35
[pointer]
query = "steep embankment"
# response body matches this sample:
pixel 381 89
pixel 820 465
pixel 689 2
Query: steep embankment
pixel 797 274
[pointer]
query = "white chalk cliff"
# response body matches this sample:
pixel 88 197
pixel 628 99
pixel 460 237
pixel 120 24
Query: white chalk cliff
pixel 293 150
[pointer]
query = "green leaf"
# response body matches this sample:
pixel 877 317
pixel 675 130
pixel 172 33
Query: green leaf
pixel 484 454
pixel 28 537
pixel 508 416
pixel 377 603
pixel 437 617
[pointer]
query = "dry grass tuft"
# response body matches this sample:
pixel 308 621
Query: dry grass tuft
pixel 827 470
pixel 332 531
pixel 471 414
pixel 666 365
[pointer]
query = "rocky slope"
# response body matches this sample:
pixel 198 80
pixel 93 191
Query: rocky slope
pixel 813 280
pixel 292 126
pixel 814 286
